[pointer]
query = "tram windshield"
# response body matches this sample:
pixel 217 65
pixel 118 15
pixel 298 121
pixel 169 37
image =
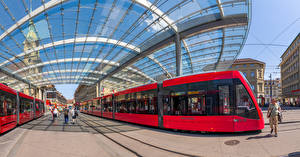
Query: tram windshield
pixel 251 86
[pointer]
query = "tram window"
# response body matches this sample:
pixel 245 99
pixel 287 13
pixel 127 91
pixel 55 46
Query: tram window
pixel 26 105
pixel 107 105
pixel 120 104
pixel 245 106
pixel 140 102
pixel 175 101
pixel 132 106
pixel 146 102
pixel 11 105
pixel 22 106
pixel 98 105
pixel 179 105
pixel 224 103
pixel 196 104
pixel 7 104
pixel 121 107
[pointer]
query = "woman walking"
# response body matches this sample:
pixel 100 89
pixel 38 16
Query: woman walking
pixel 73 111
pixel 272 114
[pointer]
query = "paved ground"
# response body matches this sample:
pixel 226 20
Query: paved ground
pixel 93 136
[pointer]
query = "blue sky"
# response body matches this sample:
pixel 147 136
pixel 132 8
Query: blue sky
pixel 274 22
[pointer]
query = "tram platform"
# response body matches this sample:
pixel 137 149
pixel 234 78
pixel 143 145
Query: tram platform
pixel 93 136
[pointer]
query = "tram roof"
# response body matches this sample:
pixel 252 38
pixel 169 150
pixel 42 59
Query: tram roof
pixel 123 43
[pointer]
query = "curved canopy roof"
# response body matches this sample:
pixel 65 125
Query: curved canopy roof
pixel 122 43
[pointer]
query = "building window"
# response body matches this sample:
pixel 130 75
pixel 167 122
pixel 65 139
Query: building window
pixel 237 66
pixel 259 87
pixel 252 65
pixel 245 65
pixel 252 74
pixel 259 74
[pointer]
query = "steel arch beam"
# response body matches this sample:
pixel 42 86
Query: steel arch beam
pixel 64 82
pixel 76 81
pixel 82 60
pixel 76 40
pixel 79 70
pixel 79 79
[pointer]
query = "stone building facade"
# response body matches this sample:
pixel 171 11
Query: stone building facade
pixel 290 70
pixel 254 71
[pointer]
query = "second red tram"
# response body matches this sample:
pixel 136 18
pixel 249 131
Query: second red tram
pixel 17 108
pixel 212 102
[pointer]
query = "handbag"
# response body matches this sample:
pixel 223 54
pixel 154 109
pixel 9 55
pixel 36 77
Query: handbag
pixel 269 114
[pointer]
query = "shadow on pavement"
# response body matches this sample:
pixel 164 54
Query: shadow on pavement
pixel 294 154
pixel 259 137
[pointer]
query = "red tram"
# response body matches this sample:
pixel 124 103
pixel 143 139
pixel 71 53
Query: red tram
pixel 17 108
pixel 212 102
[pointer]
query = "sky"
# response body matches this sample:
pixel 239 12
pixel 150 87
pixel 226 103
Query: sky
pixel 275 22
pixel 274 25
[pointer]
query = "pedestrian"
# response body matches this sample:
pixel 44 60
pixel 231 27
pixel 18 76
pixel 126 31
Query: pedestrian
pixel 55 113
pixel 66 115
pixel 273 111
pixel 73 111
pixel 51 110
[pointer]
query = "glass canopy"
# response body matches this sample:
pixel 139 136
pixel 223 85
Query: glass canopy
pixel 122 43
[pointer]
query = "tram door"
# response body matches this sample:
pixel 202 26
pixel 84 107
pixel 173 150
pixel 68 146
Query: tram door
pixel 160 105
pixel 209 105
pixel 178 105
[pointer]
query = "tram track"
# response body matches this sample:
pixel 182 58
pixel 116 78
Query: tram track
pixel 103 134
pixel 134 139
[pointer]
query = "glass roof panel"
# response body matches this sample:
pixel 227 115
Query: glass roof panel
pixel 68 41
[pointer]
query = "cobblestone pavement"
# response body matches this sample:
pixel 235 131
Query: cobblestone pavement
pixel 93 136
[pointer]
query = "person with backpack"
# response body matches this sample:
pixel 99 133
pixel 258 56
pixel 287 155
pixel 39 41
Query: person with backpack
pixel 66 114
pixel 273 111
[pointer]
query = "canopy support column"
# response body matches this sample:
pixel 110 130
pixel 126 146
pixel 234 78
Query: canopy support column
pixel 98 89
pixel 40 94
pixel 178 55
pixel 29 90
